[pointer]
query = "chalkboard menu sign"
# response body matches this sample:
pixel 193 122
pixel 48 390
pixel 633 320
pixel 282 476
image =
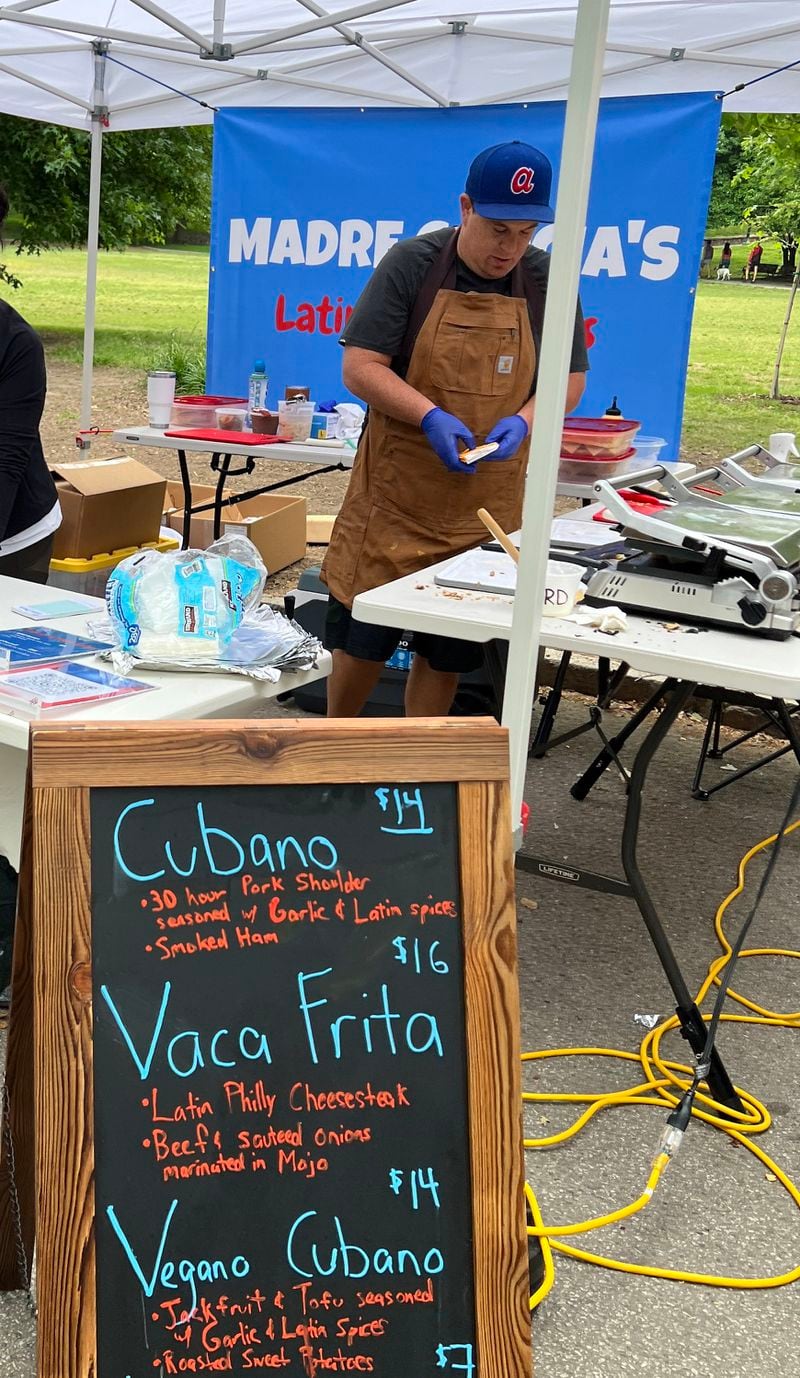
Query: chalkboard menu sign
pixel 288 956
pixel 281 1120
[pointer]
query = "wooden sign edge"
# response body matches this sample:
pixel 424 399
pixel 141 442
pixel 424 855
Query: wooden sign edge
pixel 494 1105
pixel 64 1086
pixel 494 1077
pixel 264 751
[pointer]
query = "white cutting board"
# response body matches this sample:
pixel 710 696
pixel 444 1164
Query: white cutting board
pixel 484 571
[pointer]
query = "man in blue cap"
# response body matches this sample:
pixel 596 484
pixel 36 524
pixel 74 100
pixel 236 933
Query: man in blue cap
pixel 443 347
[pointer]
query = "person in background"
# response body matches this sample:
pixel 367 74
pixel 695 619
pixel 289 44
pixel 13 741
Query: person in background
pixel 725 256
pixel 29 510
pixel 706 260
pixel 443 347
pixel 753 260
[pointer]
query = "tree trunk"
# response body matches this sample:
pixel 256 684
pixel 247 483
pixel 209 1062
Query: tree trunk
pixel 784 332
pixel 789 251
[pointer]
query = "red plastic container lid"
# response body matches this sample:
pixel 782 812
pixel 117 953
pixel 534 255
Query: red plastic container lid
pixel 602 425
pixel 211 401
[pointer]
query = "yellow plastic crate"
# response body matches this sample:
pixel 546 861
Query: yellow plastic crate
pixel 91 576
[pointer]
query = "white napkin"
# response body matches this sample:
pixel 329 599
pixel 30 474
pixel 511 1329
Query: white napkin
pixel 610 619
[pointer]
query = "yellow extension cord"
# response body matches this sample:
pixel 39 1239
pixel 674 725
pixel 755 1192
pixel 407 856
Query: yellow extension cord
pixel 664 1084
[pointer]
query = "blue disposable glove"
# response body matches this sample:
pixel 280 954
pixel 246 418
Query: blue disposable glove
pixel 441 431
pixel 509 434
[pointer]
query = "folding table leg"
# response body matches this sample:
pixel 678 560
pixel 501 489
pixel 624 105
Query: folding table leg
pixel 604 758
pixel 692 1025
pixel 187 499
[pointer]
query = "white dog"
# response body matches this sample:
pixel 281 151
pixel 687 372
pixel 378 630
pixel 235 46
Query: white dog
pixel 723 275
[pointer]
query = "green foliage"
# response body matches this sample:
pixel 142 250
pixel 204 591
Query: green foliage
pixel 756 178
pixel 186 358
pixel 728 201
pixel 153 180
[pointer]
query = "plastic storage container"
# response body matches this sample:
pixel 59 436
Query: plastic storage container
pixel 591 467
pixel 264 422
pixel 561 586
pixel 648 448
pixel 190 412
pixel 294 419
pixel 600 437
pixel 231 418
pixel 90 577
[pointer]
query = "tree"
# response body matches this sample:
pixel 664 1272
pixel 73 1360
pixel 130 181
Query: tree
pixel 153 180
pixel 728 202
pixel 769 172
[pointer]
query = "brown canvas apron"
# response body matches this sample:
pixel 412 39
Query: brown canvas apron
pixel 473 356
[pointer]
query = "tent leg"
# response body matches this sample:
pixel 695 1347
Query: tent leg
pixel 91 273
pixel 540 490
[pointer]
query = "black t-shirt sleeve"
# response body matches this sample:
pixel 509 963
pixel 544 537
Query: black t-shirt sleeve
pixel 381 313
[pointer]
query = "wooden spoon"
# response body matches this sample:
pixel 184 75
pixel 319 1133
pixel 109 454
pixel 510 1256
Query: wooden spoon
pixel 499 534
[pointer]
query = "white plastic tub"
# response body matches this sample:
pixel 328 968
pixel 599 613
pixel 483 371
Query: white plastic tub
pixel 562 584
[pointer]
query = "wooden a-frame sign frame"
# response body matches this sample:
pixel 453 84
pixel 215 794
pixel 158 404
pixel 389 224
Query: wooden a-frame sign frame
pixel 50 1033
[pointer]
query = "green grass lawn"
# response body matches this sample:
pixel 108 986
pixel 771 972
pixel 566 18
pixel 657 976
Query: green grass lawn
pixel 147 295
pixel 734 339
pixel 143 296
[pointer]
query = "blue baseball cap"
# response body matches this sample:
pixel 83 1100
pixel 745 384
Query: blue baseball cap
pixel 511 182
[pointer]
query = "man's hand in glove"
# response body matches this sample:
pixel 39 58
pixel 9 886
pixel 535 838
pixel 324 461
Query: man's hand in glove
pixel 508 435
pixel 442 431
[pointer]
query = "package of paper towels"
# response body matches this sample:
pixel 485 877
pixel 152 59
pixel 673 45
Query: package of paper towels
pixel 184 605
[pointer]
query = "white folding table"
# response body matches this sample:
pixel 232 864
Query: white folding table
pixel 175 695
pixel 683 659
pixel 313 457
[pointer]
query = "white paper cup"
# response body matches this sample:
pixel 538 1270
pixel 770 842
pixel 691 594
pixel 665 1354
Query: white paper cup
pixel 561 588
pixel 160 396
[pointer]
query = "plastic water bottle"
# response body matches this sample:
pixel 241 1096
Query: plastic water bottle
pixel 257 389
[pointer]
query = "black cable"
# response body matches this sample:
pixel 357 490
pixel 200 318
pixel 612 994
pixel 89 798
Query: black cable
pixel 165 84
pixel 678 1119
pixel 724 985
pixel 743 85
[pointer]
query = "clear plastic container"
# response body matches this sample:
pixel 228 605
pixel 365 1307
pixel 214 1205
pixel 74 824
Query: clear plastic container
pixel 587 470
pixel 561 586
pixel 294 419
pixel 598 437
pixel 190 412
pixel 648 449
pixel 231 418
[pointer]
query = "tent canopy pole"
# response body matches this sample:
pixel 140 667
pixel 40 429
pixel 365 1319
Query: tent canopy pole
pixel 93 232
pixel 545 446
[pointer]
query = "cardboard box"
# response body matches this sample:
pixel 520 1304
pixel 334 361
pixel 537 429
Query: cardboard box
pixel 106 504
pixel 275 523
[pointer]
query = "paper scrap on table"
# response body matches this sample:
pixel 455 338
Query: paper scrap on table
pixel 610 619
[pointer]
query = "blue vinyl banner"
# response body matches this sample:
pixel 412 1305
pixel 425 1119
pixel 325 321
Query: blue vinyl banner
pixel 306 202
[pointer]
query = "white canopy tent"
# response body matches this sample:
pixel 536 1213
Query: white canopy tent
pixel 136 64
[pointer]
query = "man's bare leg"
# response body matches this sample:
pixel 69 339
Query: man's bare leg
pixel 429 693
pixel 350 684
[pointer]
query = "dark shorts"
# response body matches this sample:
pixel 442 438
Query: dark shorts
pixel 364 641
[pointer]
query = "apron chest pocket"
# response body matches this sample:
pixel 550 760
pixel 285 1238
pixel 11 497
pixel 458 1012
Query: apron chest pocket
pixel 475 359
